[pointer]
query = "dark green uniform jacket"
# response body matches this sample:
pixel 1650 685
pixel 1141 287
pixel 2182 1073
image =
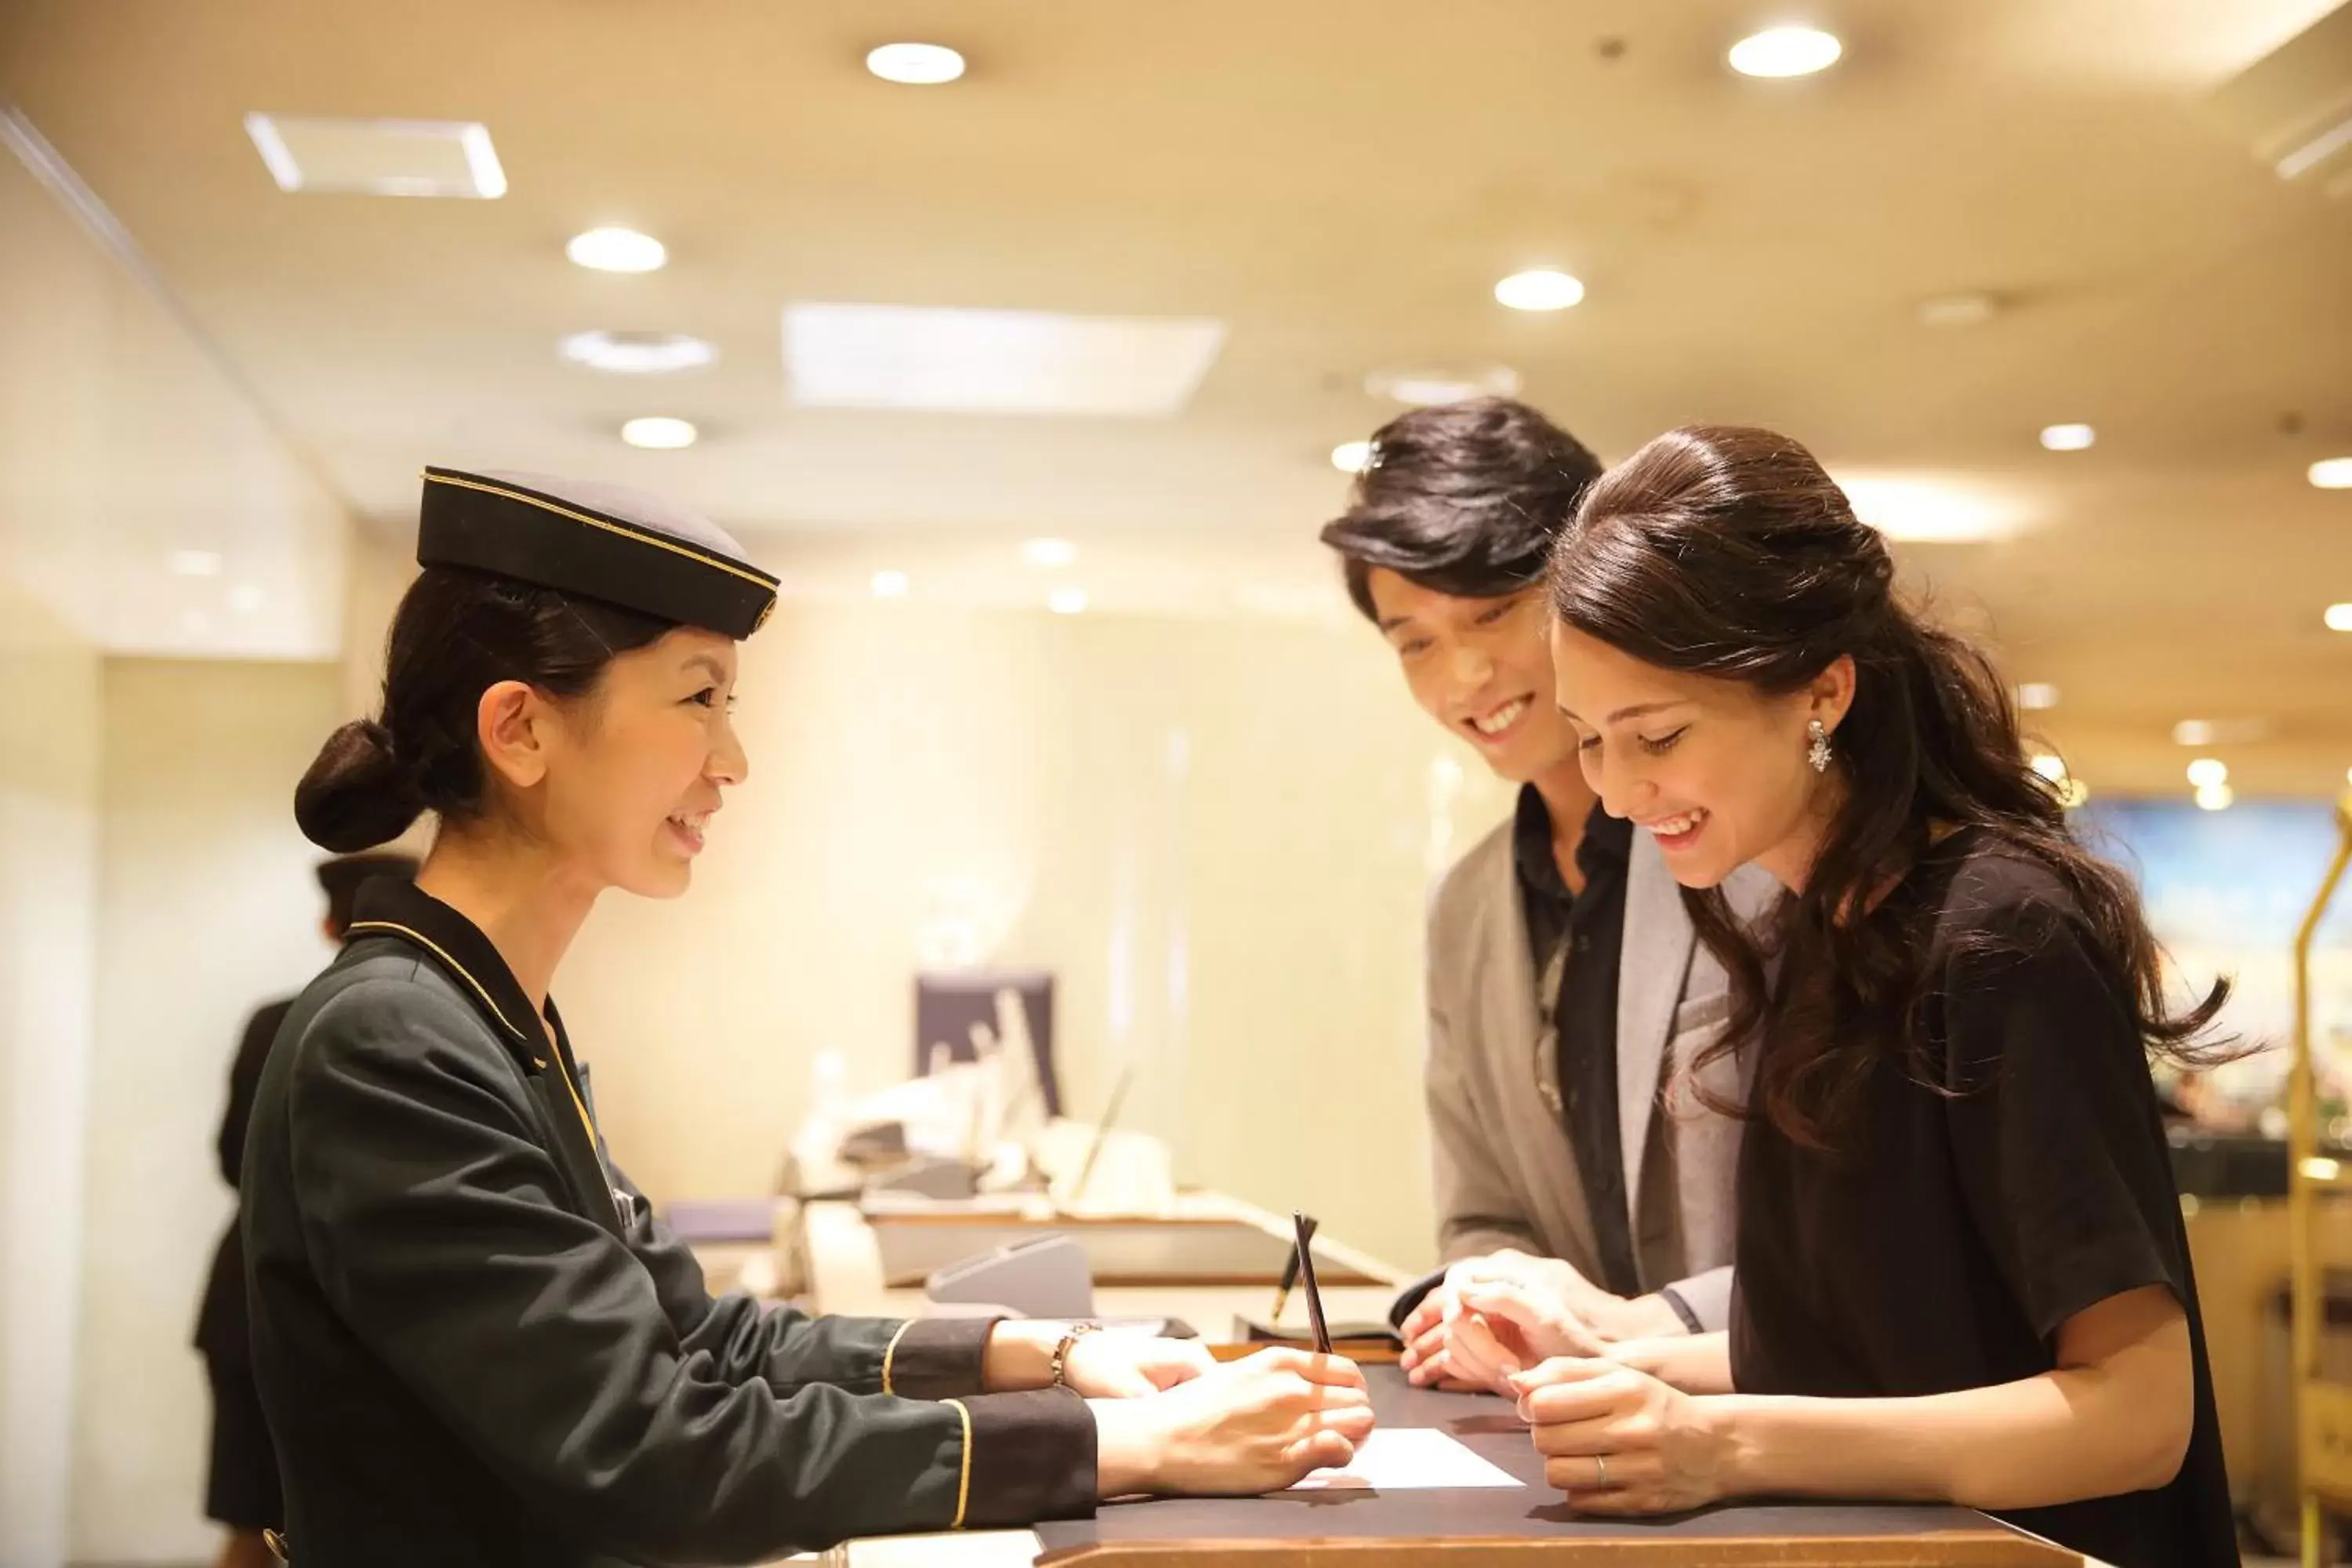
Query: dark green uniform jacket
pixel 477 1346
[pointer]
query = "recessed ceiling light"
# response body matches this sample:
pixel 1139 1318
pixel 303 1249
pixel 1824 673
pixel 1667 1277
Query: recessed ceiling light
pixel 1786 51
pixel 2239 732
pixel 1352 457
pixel 378 157
pixel 2068 438
pixel 915 65
pixel 995 362
pixel 637 353
pixel 617 250
pixel 245 598
pixel 2207 771
pixel 2333 473
pixel 1920 513
pixel 659 433
pixel 1543 288
pixel 2339 617
pixel 890 584
pixel 2216 797
pixel 1427 386
pixel 1067 600
pixel 2037 696
pixel 1968 309
pixel 2050 767
pixel 195 564
pixel 1049 552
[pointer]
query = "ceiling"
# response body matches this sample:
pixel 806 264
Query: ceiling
pixel 1340 181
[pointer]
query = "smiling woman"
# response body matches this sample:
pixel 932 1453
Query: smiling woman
pixel 1962 1271
pixel 474 1344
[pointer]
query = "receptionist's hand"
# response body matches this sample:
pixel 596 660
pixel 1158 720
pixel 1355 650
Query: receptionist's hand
pixel 1113 1365
pixel 1618 1441
pixel 1247 1428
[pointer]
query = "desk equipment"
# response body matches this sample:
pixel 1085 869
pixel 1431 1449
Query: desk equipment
pixel 1043 1277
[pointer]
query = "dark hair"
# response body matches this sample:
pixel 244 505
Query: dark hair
pixel 457 632
pixel 1464 499
pixel 339 880
pixel 1728 552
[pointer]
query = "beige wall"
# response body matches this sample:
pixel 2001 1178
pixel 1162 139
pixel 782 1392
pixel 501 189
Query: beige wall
pixel 1219 835
pixel 123 440
pixel 49 694
pixel 207 907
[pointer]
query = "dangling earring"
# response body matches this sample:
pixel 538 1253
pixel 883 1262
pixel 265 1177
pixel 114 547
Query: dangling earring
pixel 1818 753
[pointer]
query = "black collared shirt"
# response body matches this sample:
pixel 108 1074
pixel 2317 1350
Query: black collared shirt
pixel 1584 1012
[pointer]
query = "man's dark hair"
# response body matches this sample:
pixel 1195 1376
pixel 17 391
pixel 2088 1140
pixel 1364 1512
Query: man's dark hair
pixel 1464 499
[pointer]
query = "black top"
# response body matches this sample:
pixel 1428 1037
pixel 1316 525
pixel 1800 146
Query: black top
pixel 220 1319
pixel 1584 1010
pixel 477 1347
pixel 1953 1233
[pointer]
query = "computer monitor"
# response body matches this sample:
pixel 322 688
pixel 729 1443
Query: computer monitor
pixel 948 1005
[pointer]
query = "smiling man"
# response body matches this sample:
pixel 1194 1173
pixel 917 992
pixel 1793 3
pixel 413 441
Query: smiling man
pixel 1565 981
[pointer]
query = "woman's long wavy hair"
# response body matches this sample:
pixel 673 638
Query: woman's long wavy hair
pixel 1728 552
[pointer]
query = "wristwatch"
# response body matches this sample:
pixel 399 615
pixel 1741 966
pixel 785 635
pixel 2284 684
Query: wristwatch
pixel 1062 1351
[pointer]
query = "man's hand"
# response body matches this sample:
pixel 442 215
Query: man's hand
pixel 1504 1312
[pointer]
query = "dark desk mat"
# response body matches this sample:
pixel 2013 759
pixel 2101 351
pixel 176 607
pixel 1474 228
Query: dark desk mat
pixel 1489 1428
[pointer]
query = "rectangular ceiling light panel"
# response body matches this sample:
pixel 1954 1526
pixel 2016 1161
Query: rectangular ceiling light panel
pixel 378 157
pixel 995 362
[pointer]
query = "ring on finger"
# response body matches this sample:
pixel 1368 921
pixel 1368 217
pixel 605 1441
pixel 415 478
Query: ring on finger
pixel 1600 1471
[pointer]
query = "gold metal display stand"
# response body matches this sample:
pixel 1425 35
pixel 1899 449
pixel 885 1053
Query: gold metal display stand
pixel 2323 1434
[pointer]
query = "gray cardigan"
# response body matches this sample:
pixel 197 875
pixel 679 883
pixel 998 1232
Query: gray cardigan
pixel 1505 1170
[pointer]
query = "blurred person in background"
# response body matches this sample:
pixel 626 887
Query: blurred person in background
pixel 241 1486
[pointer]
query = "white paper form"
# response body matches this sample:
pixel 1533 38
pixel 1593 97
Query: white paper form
pixel 1410 1458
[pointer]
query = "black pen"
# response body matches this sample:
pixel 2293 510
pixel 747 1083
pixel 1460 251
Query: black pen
pixel 1289 1281
pixel 1305 1229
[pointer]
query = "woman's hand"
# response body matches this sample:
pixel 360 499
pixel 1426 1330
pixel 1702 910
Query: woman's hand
pixel 1695 1363
pixel 1617 1440
pixel 1115 1365
pixel 1236 1430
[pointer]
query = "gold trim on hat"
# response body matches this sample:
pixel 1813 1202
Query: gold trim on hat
pixel 636 535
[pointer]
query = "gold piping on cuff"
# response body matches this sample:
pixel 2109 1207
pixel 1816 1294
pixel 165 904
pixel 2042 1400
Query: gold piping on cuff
pixel 963 1481
pixel 629 533
pixel 890 1354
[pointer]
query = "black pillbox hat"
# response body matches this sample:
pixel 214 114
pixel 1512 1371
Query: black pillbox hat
pixel 600 540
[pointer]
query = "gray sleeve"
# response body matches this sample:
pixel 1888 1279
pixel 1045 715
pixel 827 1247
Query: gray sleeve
pixel 1478 1210
pixel 1708 1295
